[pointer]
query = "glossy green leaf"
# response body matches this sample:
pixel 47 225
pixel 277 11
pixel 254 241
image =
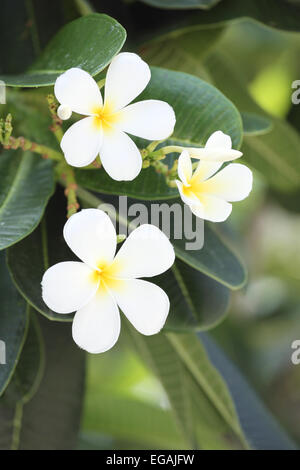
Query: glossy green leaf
pixel 200 110
pixel 182 4
pixel 26 184
pixel 147 185
pixel 254 124
pixel 29 259
pixel 13 325
pixel 89 43
pixel 197 302
pixel 215 259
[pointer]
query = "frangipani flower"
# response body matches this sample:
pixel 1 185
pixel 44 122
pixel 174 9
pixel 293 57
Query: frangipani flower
pixel 218 148
pixel 95 287
pixel 105 128
pixel 207 192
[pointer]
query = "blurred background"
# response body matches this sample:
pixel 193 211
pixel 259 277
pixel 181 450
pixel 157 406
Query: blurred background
pixel 254 66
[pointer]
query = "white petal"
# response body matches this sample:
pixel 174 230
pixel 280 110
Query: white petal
pixel 120 156
pixel 217 148
pixel 92 237
pixel 81 143
pixel 233 183
pixel 191 199
pixel 146 252
pixel 185 168
pixel 212 208
pixel 219 140
pixel 145 305
pixel 78 90
pixel 214 154
pixel 68 286
pixel 96 327
pixel 205 169
pixel 150 119
pixel 126 78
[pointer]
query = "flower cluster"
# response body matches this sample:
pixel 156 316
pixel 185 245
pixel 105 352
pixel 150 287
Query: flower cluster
pixel 102 283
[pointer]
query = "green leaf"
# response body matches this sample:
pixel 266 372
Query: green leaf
pixel 200 110
pixel 198 396
pixel 13 325
pixel 89 43
pixel 197 302
pixel 48 419
pixel 255 125
pixel 29 259
pixel 147 185
pixel 26 184
pixel 28 373
pixel 182 4
pixel 206 378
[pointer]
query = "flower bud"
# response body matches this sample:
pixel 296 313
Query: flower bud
pixel 64 112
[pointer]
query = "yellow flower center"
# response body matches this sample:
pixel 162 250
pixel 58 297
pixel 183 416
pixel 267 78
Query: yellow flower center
pixel 197 188
pixel 105 117
pixel 105 276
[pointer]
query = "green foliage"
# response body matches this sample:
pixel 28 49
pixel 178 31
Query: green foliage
pixel 47 388
pixel 45 247
pixel 80 43
pixel 283 15
pixel 198 302
pixel 255 125
pixel 182 4
pixel 26 184
pixel 200 401
pixel 13 333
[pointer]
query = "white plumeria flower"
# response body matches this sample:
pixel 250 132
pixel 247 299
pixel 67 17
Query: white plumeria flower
pixel 207 193
pixel 95 287
pixel 104 129
pixel 218 148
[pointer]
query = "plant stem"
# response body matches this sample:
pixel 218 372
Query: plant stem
pixel 26 144
pixel 56 121
pixel 68 180
pixel 168 149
